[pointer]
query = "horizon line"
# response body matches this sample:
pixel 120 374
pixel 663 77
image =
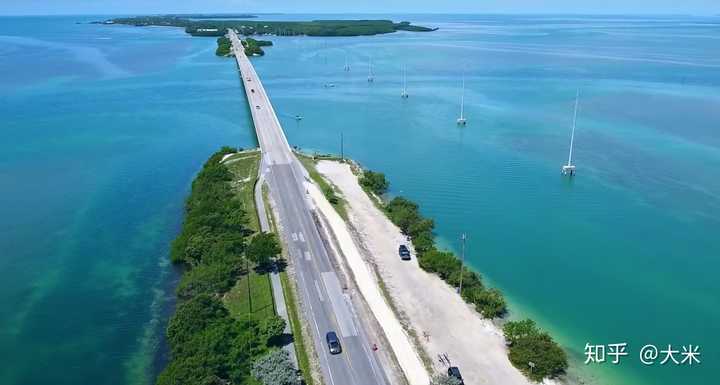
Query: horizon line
pixel 368 13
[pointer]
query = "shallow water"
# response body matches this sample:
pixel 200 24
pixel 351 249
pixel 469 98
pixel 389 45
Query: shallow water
pixel 103 129
pixel 106 125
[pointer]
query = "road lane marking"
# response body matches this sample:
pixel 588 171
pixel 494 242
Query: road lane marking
pixel 317 287
pixel 339 305
pixel 317 329
pixel 372 363
pixel 307 255
pixel 302 238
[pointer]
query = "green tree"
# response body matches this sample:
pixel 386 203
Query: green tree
pixel 262 249
pixel 530 345
pixel 193 316
pixel 207 279
pixel 272 327
pixel 516 330
pixel 275 368
pixel 187 371
pixel 375 182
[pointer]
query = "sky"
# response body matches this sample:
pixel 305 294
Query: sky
pixel 110 7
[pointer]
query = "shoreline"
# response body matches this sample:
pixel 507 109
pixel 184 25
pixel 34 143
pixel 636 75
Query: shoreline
pixel 436 316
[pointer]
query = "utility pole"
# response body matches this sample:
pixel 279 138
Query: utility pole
pixel 463 237
pixel 342 153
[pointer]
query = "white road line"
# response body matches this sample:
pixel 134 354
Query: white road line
pixel 307 255
pixel 317 286
pixel 302 238
pixel 307 294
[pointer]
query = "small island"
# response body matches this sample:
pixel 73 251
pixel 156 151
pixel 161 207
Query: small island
pixel 254 47
pixel 212 27
pixel 224 46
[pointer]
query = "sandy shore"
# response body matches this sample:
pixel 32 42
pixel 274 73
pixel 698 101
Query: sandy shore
pixel 428 308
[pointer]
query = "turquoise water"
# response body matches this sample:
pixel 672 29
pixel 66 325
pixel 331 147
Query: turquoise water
pixel 628 250
pixel 105 127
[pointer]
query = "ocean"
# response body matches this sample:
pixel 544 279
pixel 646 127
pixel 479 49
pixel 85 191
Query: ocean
pixel 104 127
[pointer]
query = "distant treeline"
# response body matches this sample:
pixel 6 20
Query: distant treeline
pixel 526 342
pixel 207 344
pixel 212 16
pixel 280 28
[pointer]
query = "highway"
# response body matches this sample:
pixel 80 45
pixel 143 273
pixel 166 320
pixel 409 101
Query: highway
pixel 326 305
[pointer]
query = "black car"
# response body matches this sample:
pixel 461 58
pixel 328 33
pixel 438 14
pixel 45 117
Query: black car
pixel 453 371
pixel 333 343
pixel 404 253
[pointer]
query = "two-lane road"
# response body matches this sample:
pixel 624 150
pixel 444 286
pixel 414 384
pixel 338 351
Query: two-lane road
pixel 327 306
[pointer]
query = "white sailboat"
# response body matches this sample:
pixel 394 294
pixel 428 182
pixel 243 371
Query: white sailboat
pixel 404 93
pixel 347 66
pixel 569 168
pixel 371 76
pixel 461 121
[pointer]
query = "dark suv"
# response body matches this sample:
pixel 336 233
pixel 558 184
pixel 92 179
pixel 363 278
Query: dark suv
pixel 453 371
pixel 333 343
pixel 404 253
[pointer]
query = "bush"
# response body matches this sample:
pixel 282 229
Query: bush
pixel 207 279
pixel 275 368
pixel 330 195
pixel 529 344
pixel 272 327
pixel 193 316
pixel 375 182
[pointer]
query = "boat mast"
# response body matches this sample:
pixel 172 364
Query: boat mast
pixel 572 133
pixel 370 71
pixel 569 168
pixel 404 91
pixel 461 120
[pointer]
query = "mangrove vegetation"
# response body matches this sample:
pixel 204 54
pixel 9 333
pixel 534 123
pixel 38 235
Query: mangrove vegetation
pixel 214 336
pixel 254 47
pixel 224 46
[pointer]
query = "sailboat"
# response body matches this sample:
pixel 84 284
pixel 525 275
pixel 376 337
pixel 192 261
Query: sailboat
pixel 404 93
pixel 347 66
pixel 371 77
pixel 461 120
pixel 569 168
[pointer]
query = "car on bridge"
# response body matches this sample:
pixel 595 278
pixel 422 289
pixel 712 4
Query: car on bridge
pixel 257 107
pixel 333 343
